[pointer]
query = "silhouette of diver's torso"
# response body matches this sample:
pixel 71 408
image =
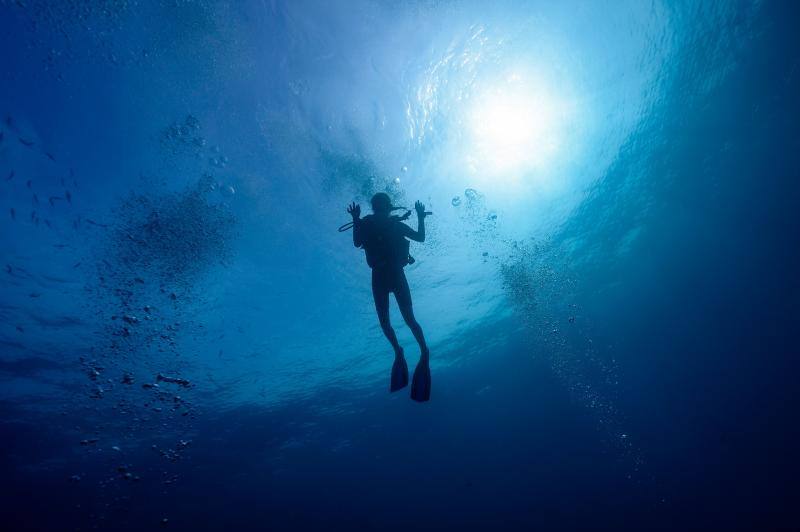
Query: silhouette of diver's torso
pixel 385 243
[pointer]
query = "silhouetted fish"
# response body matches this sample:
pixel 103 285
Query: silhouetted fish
pixel 34 294
pixel 95 223
pixel 10 176
pixel 47 223
pixel 35 197
pixel 68 196
pixel 13 214
pixel 33 215
pixel 28 184
pixel 25 142
pixel 50 156
pixel 52 200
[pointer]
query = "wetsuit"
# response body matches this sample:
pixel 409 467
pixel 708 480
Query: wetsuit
pixel 384 240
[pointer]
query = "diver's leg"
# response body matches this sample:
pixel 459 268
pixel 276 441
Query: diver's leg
pixel 380 293
pixel 421 383
pixel 403 295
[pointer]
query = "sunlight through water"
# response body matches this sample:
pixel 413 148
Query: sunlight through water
pixel 516 127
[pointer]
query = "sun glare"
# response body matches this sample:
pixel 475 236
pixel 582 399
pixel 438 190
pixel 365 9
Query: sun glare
pixel 515 127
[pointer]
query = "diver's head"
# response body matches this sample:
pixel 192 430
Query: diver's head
pixel 381 203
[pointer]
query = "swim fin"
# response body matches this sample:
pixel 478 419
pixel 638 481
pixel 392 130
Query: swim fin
pixel 399 373
pixel 421 384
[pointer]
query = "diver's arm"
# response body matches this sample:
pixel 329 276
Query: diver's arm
pixel 358 238
pixel 419 235
pixel 354 210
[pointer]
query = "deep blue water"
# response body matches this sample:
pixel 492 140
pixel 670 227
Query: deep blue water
pixel 609 283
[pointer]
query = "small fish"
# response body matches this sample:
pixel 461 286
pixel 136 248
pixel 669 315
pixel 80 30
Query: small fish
pixel 59 246
pixel 9 269
pixel 68 196
pixel 35 198
pixel 37 221
pixel 50 156
pixel 20 329
pixel 33 215
pixel 34 294
pixel 25 142
pixel 76 264
pixel 48 224
pixel 2 134
pixel 29 183
pixel 13 214
pixel 10 176
pixel 95 223
pixel 52 200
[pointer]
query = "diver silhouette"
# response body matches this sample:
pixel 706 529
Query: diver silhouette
pixel 383 238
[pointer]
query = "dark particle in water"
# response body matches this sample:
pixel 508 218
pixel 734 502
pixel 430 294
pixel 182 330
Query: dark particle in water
pixel 174 380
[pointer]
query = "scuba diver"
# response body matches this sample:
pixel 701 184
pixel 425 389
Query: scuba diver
pixel 383 238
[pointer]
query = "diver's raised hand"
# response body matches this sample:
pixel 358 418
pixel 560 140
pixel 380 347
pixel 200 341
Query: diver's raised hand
pixel 354 210
pixel 420 208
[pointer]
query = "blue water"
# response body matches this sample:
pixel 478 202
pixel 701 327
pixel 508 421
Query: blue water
pixel 609 283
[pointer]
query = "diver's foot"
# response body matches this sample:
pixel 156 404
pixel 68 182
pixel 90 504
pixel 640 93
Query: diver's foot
pixel 399 372
pixel 421 384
